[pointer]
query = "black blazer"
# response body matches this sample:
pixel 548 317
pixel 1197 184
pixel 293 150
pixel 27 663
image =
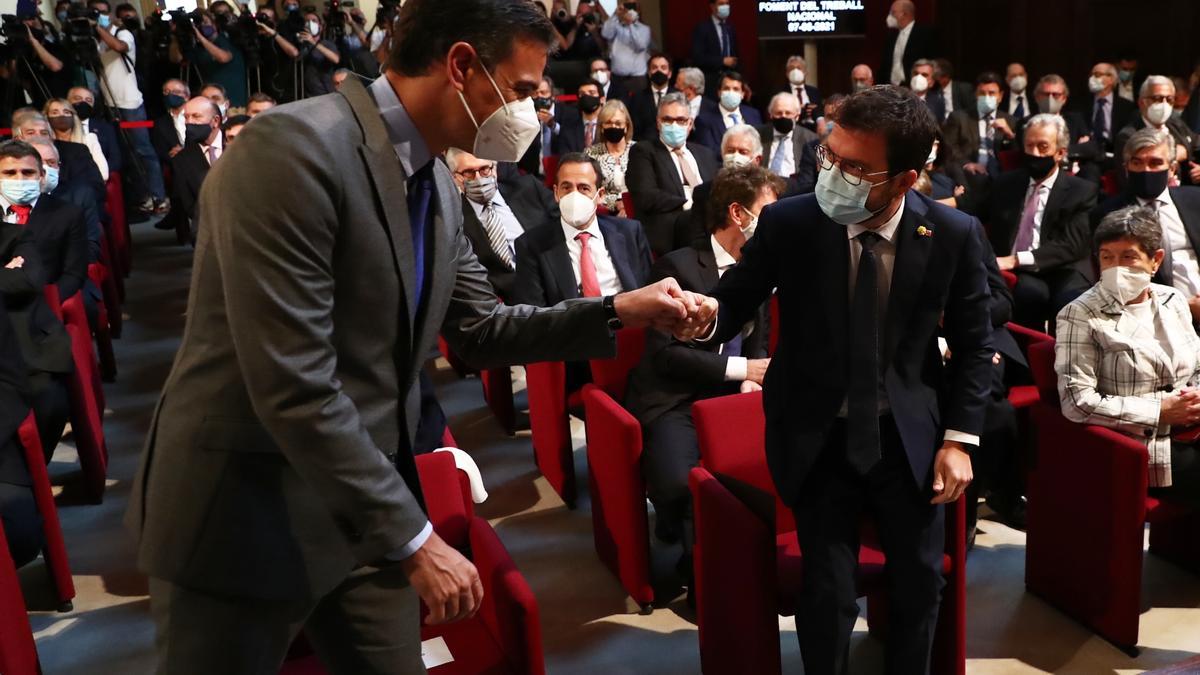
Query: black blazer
pixel 1187 203
pixel 570 130
pixel 544 273
pixel 14 404
pixel 1065 234
pixel 710 124
pixel 935 101
pixel 106 133
pixel 1031 106
pixel 939 274
pixel 164 138
pixel 657 191
pixel 706 48
pixel 1123 113
pixel 189 167
pixel 645 114
pixel 1000 304
pixel 61 236
pixel 43 340
pixel 1180 131
pixel 671 373
pixel 960 136
pixel 922 44
pixel 76 167
pixel 531 203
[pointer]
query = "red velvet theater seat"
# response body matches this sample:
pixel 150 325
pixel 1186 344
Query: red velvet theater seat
pixel 55 551
pixel 1088 507
pixel 505 636
pixel 748 562
pixel 18 654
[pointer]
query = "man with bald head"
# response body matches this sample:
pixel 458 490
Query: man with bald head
pixel 906 42
pixel 783 138
pixel 861 77
pixel 203 144
pixel 1104 110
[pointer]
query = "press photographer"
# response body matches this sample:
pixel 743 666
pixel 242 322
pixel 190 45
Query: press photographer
pixel 212 51
pixel 319 55
pixel 280 49
pixel 36 57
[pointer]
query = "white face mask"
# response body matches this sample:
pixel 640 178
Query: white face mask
pixel 1158 113
pixel 751 224
pixel 601 76
pixel 577 209
pixel 735 159
pixel 1095 84
pixel 314 28
pixel 508 132
pixel 796 76
pixel 919 84
pixel 892 22
pixel 1018 84
pixel 1125 283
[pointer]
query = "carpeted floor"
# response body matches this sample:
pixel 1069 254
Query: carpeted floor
pixel 589 626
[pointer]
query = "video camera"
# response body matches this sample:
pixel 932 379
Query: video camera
pixel 335 21
pixel 15 35
pixel 79 36
pixel 183 22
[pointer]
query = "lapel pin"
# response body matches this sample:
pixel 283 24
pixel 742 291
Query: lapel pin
pixel 923 231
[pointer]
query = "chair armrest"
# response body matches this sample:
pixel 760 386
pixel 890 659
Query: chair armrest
pixel 510 609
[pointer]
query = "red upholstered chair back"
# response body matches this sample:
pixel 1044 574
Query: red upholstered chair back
pixel 1041 366
pixel 17 651
pixel 1009 159
pixel 1027 337
pixel 612 375
pixel 447 496
pixel 627 200
pixel 550 169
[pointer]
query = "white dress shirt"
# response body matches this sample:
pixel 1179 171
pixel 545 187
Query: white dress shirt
pixel 629 45
pixel 218 144
pixel 1025 258
pixel 180 125
pixel 606 272
pixel 985 123
pixel 1185 270
pixel 512 226
pixel 897 74
pixel 789 154
pixel 801 93
pixel 717 23
pixel 687 189
pixel 948 97
pixel 1125 90
pixel 728 116
pixel 735 366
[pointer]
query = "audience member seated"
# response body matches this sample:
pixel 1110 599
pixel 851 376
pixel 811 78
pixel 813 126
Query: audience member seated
pixel 259 103
pixel 1150 167
pixel 44 342
pixel 644 104
pixel 804 181
pixel 663 174
pixel 1016 101
pixel 974 136
pixel 79 196
pixel 203 145
pixel 1038 224
pixel 579 132
pixel 216 93
pixel 75 161
pixel 611 149
pixel 232 127
pixel 808 96
pixel 690 82
pixel 553 117
pixel 1052 95
pixel 671 375
pixel 84 102
pixel 861 77
pixel 65 125
pixel 601 74
pixel 1156 103
pixel 18 508
pixel 956 95
pixel 715 45
pixel 921 82
pixel 339 76
pixel 1106 112
pixel 933 181
pixel 741 146
pixel 496 212
pixel 728 111
pixel 168 131
pixel 784 140
pixel 1127 356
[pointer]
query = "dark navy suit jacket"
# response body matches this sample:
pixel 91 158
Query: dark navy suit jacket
pixel 710 124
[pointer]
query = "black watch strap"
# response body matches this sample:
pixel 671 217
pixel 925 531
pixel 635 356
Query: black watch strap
pixel 610 312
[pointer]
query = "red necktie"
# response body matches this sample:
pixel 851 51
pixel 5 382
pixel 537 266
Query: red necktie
pixel 22 211
pixel 588 281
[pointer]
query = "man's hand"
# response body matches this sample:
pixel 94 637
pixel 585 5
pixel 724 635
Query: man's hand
pixel 749 386
pixel 305 36
pixel 975 168
pixel 659 305
pixel 1194 306
pixel 15 264
pixel 1182 409
pixel 545 118
pixel 1084 139
pixel 1006 262
pixel 1001 125
pixel 702 312
pixel 1194 172
pixel 756 370
pixel 174 151
pixel 951 473
pixel 730 61
pixel 447 582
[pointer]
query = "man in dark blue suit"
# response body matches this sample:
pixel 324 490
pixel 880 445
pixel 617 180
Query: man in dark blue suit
pixel 861 415
pixel 714 44
pixel 715 118
pixel 85 107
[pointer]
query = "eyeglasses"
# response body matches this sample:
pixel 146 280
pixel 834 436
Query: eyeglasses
pixel 470 174
pixel 1162 98
pixel 853 174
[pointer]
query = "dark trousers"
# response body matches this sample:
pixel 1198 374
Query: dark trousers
pixel 995 463
pixel 22 522
pixel 671 450
pixel 1038 296
pixel 367 625
pixel 1185 476
pixel 630 84
pixel 911 531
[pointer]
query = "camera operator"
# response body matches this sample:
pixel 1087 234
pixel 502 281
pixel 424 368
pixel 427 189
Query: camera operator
pixel 320 56
pixel 213 53
pixel 380 35
pixel 117 54
pixel 50 72
pixel 354 44
pixel 580 38
pixel 280 50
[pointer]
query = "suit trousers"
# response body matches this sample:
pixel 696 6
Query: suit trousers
pixel 1038 296
pixel 368 625
pixel 22 522
pixel 671 450
pixel 829 514
pixel 1185 476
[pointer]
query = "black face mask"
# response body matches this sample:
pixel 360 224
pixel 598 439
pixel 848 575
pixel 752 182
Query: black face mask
pixel 613 134
pixel 1148 184
pixel 83 110
pixel 1038 167
pixel 196 133
pixel 659 79
pixel 783 125
pixel 174 101
pixel 542 103
pixel 589 104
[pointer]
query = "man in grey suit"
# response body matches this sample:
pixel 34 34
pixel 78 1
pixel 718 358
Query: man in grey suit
pixel 277 490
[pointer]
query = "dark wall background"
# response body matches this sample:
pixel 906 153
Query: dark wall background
pixel 1059 36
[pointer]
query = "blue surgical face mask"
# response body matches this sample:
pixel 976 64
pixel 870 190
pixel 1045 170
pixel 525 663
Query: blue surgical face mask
pixel 674 135
pixel 730 100
pixel 51 181
pixel 844 203
pixel 104 20
pixel 723 11
pixel 62 17
pixel 19 190
pixel 986 105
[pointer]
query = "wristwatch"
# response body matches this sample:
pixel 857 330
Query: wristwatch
pixel 610 311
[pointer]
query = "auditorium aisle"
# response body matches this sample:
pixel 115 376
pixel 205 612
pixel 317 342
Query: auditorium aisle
pixel 588 625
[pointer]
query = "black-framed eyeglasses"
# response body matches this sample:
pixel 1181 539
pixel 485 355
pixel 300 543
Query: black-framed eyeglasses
pixel 852 173
pixel 483 171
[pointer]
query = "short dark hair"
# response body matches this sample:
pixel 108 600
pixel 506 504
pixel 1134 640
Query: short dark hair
pixel 738 185
pixel 989 77
pixel 261 97
pixel 215 85
pixel 426 30
pixel 943 67
pixel 591 82
pixel 581 158
pixel 126 6
pixel 1139 223
pixel 904 120
pixel 664 56
pixel 235 121
pixel 730 75
pixel 93 3
pixel 20 150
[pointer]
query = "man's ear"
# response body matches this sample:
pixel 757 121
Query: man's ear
pixel 460 59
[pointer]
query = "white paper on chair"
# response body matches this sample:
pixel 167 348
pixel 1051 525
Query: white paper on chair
pixel 435 653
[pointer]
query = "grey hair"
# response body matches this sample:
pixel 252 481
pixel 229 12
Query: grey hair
pixel 1149 137
pixel 673 98
pixel 783 96
pixel 1139 223
pixel 924 62
pixel 24 116
pixel 1153 81
pixel 1061 137
pixel 743 130
pixel 797 59
pixel 1052 79
pixel 692 77
pixel 46 143
pixel 452 155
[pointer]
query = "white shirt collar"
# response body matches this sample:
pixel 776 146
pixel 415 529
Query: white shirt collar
pixel 888 231
pixel 723 257
pixel 1164 198
pixel 1049 181
pixel 497 200
pixel 1151 126
pixel 904 32
pixel 5 205
pixel 218 143
pixel 593 229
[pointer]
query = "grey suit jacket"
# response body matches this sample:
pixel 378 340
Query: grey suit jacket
pixel 271 465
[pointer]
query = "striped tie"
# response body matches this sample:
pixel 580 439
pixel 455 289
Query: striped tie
pixel 495 232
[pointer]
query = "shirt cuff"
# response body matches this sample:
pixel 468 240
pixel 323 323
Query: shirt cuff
pixel 1025 259
pixel 961 437
pixel 735 369
pixel 406 551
